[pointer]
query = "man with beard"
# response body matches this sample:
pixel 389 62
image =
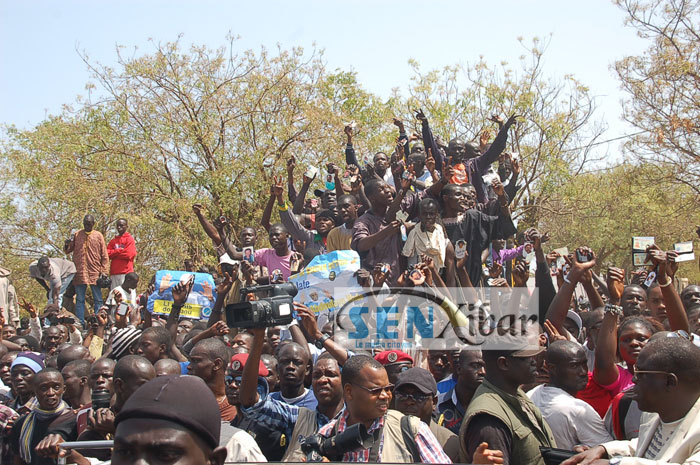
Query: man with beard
pixel 573 421
pixel 501 415
pixel 367 395
pixel 416 394
pixel 453 404
pixel 666 387
pixel 294 421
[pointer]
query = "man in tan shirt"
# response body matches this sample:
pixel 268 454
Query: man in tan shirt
pixel 91 260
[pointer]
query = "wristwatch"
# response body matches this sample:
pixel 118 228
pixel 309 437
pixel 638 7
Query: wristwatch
pixel 319 342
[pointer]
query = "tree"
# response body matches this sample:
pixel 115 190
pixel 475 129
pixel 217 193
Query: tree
pixel 556 132
pixel 605 209
pixel 167 129
pixel 663 85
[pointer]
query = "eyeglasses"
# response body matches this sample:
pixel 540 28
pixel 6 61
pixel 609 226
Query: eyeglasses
pixel 417 398
pixel 378 390
pixel 233 379
pixel 681 334
pixel 649 372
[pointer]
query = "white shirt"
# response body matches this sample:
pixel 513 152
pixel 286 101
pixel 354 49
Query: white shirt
pixel 127 297
pixel 241 447
pixel 573 421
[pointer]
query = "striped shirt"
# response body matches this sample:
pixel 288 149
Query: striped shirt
pixel 428 445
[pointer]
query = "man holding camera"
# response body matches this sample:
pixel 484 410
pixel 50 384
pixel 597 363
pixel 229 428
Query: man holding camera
pixel 394 437
pixel 296 422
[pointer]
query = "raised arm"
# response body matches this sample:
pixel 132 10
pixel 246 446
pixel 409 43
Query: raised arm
pixel 267 213
pixel 677 317
pixel 249 379
pixel 291 190
pixel 287 217
pixel 350 156
pixel 301 196
pixel 180 293
pixel 206 224
pixel 429 143
pixel 562 301
pixel 497 146
pixel 606 371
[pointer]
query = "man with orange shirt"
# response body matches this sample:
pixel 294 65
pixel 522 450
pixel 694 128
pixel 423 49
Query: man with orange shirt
pixel 91 260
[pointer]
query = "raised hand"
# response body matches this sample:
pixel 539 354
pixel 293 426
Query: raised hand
pixel 553 332
pixel 181 291
pixel 197 209
pixel 495 270
pixel 616 283
pixel 206 290
pixel 378 276
pixel 579 269
pixel 516 166
pixel 430 162
pixel 520 274
pixel 484 138
pixel 278 188
pixel 497 119
pixel 291 164
pixel 671 263
pixel 219 328
pixel 498 187
pixel 398 123
pixel 164 283
pixel 406 181
pixel 420 116
pixel 308 320
pixel 27 307
pixel 348 130
pixel 512 120
pixel 225 284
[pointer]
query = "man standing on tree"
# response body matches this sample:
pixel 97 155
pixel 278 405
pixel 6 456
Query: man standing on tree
pixel 91 259
pixel 122 252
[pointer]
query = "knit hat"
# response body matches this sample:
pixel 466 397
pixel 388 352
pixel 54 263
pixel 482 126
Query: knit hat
pixel 32 360
pixel 123 339
pixel 184 400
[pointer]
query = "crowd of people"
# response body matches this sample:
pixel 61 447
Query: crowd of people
pixel 612 377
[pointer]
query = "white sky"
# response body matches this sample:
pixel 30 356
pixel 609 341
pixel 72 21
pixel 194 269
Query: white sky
pixel 40 69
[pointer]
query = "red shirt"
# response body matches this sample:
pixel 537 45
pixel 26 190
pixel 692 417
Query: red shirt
pixel 122 252
pixel 596 396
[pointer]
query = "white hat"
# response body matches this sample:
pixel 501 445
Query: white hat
pixel 227 260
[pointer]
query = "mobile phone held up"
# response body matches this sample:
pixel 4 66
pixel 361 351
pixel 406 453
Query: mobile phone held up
pixel 583 257
pixel 122 309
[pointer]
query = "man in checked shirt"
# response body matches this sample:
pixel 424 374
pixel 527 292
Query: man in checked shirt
pixel 393 437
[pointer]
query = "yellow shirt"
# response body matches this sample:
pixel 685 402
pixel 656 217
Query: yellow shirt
pixel 339 239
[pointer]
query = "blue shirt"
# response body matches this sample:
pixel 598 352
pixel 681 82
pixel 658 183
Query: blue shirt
pixel 308 400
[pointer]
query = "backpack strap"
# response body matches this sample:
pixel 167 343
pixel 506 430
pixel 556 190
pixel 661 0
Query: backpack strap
pixel 409 438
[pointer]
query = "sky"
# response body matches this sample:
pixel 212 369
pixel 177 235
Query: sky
pixel 40 68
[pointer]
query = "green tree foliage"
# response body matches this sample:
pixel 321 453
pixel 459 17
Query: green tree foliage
pixel 163 130
pixel 605 209
pixel 663 85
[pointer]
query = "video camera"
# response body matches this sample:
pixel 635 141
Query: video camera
pixel 316 446
pixel 272 306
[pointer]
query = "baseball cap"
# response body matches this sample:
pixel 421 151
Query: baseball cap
pixel 576 318
pixel 225 259
pixel 238 362
pixel 388 357
pixel 420 378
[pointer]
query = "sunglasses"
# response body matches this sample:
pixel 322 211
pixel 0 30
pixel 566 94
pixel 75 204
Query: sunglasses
pixel 417 398
pixel 378 390
pixel 231 379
